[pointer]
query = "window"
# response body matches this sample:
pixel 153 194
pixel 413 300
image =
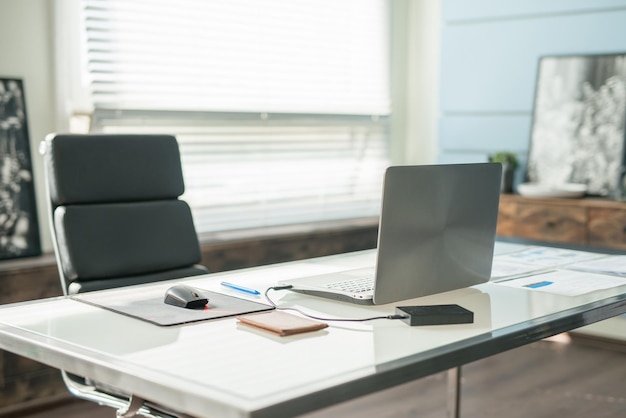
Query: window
pixel 281 107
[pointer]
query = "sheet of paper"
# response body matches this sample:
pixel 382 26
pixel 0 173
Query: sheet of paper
pixel 565 282
pixel 506 268
pixel 549 257
pixel 612 264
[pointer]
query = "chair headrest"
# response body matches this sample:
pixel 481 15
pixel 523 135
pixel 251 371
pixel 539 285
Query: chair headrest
pixel 112 168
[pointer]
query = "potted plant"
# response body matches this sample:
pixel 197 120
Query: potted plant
pixel 509 165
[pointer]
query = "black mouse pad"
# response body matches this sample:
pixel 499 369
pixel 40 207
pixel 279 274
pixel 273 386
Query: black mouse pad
pixel 146 303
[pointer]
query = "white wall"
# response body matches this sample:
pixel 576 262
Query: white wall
pixel 415 38
pixel 26 53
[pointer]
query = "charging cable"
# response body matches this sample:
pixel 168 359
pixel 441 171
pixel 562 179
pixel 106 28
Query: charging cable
pixel 317 317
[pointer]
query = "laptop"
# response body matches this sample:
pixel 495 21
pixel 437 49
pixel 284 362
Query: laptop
pixel 437 233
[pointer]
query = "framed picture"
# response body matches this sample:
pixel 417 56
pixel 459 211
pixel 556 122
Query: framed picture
pixel 19 230
pixel 577 132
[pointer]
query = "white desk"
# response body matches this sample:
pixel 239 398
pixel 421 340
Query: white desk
pixel 221 369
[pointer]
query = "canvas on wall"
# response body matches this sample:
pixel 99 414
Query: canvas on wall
pixel 19 231
pixel 578 123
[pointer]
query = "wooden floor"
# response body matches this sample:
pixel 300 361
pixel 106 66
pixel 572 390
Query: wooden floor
pixel 551 378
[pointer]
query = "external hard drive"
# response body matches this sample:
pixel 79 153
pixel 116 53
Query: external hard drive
pixel 435 315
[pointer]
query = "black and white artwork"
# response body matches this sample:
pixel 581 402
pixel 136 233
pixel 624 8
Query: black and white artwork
pixel 578 123
pixel 19 231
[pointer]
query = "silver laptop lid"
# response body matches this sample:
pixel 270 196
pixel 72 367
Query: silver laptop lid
pixel 437 229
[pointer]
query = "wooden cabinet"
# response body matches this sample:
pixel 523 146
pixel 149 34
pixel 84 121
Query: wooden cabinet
pixel 607 227
pixel 594 222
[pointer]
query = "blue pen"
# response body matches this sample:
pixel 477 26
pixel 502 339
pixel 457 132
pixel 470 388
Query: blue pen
pixel 241 288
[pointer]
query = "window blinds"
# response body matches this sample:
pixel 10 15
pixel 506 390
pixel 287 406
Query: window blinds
pixel 281 107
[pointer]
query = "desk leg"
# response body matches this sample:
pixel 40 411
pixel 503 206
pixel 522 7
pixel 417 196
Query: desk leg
pixel 454 393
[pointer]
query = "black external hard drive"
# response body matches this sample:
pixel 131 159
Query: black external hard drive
pixel 435 315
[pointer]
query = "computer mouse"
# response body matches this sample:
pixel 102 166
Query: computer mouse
pixel 185 297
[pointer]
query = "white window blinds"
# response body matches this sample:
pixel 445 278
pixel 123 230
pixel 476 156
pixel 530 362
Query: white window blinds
pixel 281 107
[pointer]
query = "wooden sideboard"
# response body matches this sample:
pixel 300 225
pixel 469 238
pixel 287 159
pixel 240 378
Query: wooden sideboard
pixel 594 222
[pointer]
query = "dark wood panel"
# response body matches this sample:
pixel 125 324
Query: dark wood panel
pixel 607 227
pixel 594 222
pixel 258 251
pixel 552 224
pixel 507 219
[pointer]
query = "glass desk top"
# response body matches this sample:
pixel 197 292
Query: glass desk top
pixel 223 368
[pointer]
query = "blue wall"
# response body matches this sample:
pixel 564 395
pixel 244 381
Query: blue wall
pixel 489 56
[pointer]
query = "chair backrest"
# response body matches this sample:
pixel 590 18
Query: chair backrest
pixel 115 213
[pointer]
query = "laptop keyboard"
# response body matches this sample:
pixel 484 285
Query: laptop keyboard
pixel 359 285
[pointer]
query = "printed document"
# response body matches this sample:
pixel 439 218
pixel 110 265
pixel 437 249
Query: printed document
pixel 565 282
pixel 613 264
pixel 549 257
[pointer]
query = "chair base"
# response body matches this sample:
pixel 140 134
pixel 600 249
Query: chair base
pixel 126 406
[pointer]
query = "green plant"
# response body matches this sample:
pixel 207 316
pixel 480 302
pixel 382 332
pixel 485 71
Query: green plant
pixel 507 159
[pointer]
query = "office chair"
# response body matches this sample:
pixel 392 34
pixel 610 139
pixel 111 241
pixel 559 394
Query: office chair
pixel 117 220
